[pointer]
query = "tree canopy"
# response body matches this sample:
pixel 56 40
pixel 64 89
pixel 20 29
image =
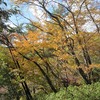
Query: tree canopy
pixel 61 47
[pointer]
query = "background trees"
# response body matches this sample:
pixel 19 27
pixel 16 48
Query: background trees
pixel 58 49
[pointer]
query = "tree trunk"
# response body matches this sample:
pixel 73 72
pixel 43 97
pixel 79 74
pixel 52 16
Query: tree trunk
pixel 47 78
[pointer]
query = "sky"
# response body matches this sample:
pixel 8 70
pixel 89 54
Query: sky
pixel 18 19
pixel 29 12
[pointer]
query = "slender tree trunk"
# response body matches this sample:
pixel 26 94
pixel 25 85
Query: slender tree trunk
pixel 80 69
pixel 44 74
pixel 71 49
pixel 26 90
pixel 24 85
pixel 47 78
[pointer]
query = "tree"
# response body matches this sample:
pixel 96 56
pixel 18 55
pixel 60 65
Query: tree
pixel 66 26
pixel 61 48
pixel 5 41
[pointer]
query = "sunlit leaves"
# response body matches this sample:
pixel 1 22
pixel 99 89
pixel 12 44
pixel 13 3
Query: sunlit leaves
pixel 61 44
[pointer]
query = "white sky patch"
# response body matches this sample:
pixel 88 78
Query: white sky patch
pixel 74 8
pixel 38 13
pixel 96 16
pixel 10 24
pixel 89 26
pixel 53 4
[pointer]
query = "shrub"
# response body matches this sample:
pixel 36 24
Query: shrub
pixel 84 92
